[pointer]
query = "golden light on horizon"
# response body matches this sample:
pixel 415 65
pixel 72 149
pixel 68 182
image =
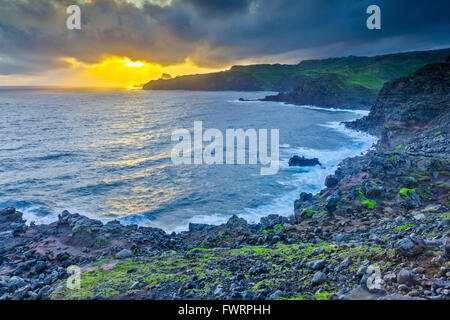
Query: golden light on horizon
pixel 110 72
pixel 130 63
pixel 124 72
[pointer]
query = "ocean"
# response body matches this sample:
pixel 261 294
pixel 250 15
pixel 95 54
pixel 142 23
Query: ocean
pixel 107 154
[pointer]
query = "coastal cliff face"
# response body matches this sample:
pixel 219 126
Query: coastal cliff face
pixel 207 82
pixel 329 90
pixel 398 193
pixel 238 78
pixel 409 104
pixel 388 209
pixel 350 82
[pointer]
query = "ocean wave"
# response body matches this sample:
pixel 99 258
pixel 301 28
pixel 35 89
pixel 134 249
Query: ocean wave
pixel 310 179
pixel 51 157
pixel 113 170
pixel 39 215
pixel 36 214
pixel 95 188
pixel 356 111
pixel 305 179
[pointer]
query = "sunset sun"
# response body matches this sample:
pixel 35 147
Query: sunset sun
pixel 123 72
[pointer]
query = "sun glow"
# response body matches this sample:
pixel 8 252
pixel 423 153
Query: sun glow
pixel 136 64
pixel 110 72
pixel 124 72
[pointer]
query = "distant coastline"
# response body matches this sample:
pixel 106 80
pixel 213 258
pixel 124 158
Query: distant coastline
pixel 350 82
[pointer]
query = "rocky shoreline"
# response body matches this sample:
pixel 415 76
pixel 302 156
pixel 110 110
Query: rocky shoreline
pixel 327 91
pixel 387 210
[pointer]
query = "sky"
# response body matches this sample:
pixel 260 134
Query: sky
pixel 124 43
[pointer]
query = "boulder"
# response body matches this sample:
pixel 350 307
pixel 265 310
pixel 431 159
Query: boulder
pixel 317 264
pixel 332 201
pixel 196 227
pixel 272 220
pixel 331 181
pixel 410 246
pixel 303 162
pixel 124 254
pixel 405 276
pixel 277 294
pixel 446 247
pixel 305 200
pixel 18 228
pixel 319 277
pixel 345 263
pixel 341 237
pixel 11 215
pixel 413 201
pixel 305 196
pixel 235 222
pixel 15 283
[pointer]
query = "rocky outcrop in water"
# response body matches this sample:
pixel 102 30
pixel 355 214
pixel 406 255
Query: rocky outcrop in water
pixel 297 161
pixel 330 90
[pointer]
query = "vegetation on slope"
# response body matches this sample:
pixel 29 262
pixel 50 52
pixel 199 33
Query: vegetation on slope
pixel 368 72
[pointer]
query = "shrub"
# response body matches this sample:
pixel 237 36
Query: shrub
pixel 278 227
pixel 310 212
pixel 361 195
pixel 403 227
pixel 406 191
pixel 323 295
pixel 369 203
pixel 394 157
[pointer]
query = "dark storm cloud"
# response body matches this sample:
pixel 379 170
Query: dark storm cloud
pixel 212 32
pixel 219 7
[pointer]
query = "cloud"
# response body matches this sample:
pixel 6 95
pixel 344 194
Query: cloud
pixel 219 8
pixel 211 33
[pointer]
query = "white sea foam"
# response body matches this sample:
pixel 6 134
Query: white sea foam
pixel 355 111
pixel 32 214
pixel 306 179
pixel 309 179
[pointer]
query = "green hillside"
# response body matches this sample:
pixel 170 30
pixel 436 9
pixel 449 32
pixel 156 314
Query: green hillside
pixel 369 72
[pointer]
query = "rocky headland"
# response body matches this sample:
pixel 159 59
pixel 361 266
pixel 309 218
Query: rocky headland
pixel 346 82
pixel 330 90
pixel 386 211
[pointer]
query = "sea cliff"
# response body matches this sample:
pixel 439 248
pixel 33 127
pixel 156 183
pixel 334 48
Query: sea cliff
pixel 344 82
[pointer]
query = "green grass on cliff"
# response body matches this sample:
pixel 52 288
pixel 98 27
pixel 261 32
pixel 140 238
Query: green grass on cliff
pixel 369 72
pixel 166 273
pixel 405 192
pixel 350 73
